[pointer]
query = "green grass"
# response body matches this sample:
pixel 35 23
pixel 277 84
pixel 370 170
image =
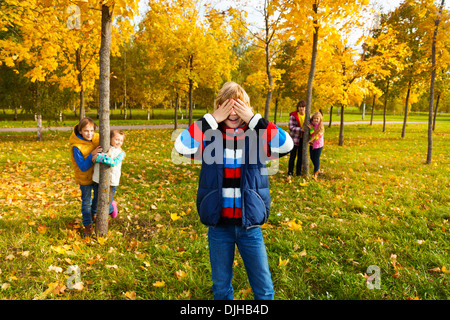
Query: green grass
pixel 376 203
pixel 165 116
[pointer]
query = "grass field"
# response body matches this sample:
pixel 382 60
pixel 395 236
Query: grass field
pixel 376 204
pixel 166 116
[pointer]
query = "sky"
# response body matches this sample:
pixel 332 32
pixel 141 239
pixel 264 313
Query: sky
pixel 384 5
pixel 387 5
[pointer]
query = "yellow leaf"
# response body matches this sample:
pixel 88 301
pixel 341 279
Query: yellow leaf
pixel 294 225
pixel 282 263
pixel 102 240
pixel 59 249
pixel 180 274
pixel 445 270
pixel 159 284
pixel 42 228
pixel 174 216
pixel 130 295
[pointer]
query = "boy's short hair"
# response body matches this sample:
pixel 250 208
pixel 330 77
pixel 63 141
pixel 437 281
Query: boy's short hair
pixel 84 122
pixel 113 132
pixel 301 103
pixel 231 90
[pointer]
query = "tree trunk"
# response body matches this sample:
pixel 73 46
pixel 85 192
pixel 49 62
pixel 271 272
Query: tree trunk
pixel 433 77
pixel 435 111
pixel 305 159
pixel 176 113
pixel 385 106
pixel 406 109
pixel 80 83
pixel 373 108
pixel 39 127
pixel 104 94
pixel 276 109
pixel 363 107
pixel 191 88
pixel 270 79
pixel 331 117
pixel 39 115
pixel 341 129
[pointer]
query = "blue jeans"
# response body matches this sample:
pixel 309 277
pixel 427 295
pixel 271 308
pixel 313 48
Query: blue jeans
pixel 111 198
pixel 222 241
pixel 88 207
pixel 315 157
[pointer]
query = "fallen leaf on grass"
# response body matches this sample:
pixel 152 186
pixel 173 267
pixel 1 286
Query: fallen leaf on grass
pixel 174 216
pixel 53 287
pixel 42 228
pixel 102 240
pixel 78 286
pixel 159 284
pixel 180 274
pixel 54 268
pixel 130 295
pixel 293 225
pixel 282 263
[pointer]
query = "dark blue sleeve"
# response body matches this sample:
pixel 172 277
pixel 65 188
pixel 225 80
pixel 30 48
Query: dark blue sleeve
pixel 83 164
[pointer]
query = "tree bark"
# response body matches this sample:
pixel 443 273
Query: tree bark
pixel 433 77
pixel 341 129
pixel 435 111
pixel 176 112
pixel 373 107
pixel 104 94
pixel 331 117
pixel 191 88
pixel 406 109
pixel 80 82
pixel 275 113
pixel 38 114
pixel 270 79
pixel 385 106
pixel 305 158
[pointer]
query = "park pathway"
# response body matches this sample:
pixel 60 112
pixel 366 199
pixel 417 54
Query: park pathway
pixel 170 126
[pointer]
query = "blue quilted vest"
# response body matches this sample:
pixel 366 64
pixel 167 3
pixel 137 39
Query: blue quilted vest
pixel 255 194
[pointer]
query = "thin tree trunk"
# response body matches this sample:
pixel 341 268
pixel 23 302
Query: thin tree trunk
pixel 39 115
pixel 341 129
pixel 312 70
pixel 406 109
pixel 385 106
pixel 270 79
pixel 104 94
pixel 433 77
pixel 435 111
pixel 331 117
pixel 373 107
pixel 276 109
pixel 80 82
pixel 191 88
pixel 176 113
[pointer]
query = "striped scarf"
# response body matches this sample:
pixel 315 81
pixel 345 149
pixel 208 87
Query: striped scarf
pixel 233 140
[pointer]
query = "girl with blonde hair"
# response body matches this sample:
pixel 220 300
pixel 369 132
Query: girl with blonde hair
pixel 316 141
